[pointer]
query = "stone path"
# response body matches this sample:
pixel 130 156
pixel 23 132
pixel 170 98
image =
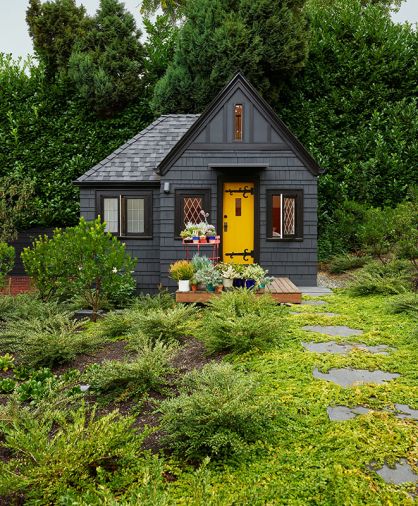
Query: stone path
pixel 349 377
pixel 316 314
pixel 333 330
pixel 401 473
pixel 344 413
pixel 344 348
pixel 313 302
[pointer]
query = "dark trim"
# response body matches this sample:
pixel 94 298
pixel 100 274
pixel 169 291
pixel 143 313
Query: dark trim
pixel 204 193
pixel 238 83
pixel 238 166
pixel 118 184
pixel 227 178
pixel 299 195
pixel 120 194
pixel 237 146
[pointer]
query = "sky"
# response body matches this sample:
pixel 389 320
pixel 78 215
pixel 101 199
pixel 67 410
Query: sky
pixel 14 37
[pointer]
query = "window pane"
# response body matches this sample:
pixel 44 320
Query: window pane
pixel 135 216
pixel 192 207
pixel 276 217
pixel 238 122
pixel 237 207
pixel 111 214
pixel 289 216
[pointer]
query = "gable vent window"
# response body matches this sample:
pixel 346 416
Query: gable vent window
pixel 238 120
pixel 284 214
pixel 126 214
pixel 189 205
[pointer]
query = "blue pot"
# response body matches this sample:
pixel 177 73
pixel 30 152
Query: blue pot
pixel 249 284
pixel 239 283
pixel 210 287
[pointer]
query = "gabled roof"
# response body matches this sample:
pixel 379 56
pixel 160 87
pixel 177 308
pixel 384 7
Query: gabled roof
pixel 239 82
pixel 137 161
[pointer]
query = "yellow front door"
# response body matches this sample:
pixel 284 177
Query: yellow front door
pixel 238 223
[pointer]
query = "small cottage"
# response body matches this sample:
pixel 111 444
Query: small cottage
pixel 238 162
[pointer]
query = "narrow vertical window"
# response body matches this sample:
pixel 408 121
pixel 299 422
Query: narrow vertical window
pixel 238 113
pixel 111 214
pixel 237 207
pixel 276 216
pixel 285 214
pixel 192 208
pixel 135 216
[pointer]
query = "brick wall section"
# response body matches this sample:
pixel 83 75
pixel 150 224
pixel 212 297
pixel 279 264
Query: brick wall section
pixel 16 285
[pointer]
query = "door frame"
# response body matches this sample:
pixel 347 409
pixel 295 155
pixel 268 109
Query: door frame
pixel 247 178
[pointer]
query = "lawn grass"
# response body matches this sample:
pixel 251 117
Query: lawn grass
pixel 312 460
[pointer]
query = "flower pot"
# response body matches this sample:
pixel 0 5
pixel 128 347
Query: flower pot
pixel 203 239
pixel 239 283
pixel 195 239
pixel 211 238
pixel 188 240
pixel 194 288
pixel 218 289
pixel 184 285
pixel 249 284
pixel 210 287
pixel 228 283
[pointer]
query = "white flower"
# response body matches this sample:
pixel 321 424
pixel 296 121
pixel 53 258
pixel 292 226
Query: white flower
pixel 114 270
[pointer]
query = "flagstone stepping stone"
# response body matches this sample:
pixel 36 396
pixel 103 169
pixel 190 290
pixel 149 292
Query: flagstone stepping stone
pixel 343 348
pixel 313 302
pixel 316 314
pixel 406 411
pixel 401 473
pixel 348 377
pixel 343 413
pixel 333 330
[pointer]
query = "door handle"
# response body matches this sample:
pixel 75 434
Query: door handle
pixel 225 226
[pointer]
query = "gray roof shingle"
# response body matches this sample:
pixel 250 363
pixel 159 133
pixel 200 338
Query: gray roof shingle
pixel 138 159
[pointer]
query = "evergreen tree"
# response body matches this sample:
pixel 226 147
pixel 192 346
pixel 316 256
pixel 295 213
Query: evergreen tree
pixel 265 40
pixel 172 8
pixel 107 64
pixel 54 27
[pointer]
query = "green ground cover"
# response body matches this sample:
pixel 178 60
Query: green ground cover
pixel 305 459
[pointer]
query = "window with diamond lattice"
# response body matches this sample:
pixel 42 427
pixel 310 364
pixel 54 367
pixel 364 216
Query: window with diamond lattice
pixel 284 214
pixel 189 205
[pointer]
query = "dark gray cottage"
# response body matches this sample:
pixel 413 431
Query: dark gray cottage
pixel 237 161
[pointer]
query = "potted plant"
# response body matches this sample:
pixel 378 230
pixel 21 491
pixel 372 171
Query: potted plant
pixel 255 276
pixel 199 263
pixel 239 281
pixel 193 284
pixel 210 277
pixel 182 271
pixel 228 273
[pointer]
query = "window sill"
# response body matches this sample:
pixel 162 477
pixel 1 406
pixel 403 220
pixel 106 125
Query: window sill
pixel 145 237
pixel 285 239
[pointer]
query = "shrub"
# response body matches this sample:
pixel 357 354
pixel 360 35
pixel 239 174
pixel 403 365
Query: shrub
pixel 7 260
pixel 26 307
pixel 167 325
pixel 6 362
pixel 181 270
pixel 347 262
pixel 163 300
pixel 81 261
pixel 200 262
pixel 217 413
pixel 387 279
pixel 146 371
pixel 59 453
pixel 404 303
pixel 239 320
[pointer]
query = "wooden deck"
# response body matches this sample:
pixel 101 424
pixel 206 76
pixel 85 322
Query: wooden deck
pixel 281 289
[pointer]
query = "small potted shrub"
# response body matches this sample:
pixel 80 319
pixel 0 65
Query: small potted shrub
pixel 193 284
pixel 211 233
pixel 239 280
pixel 210 277
pixel 255 276
pixel 228 273
pixel 182 271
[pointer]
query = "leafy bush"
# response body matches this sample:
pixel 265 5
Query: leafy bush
pixel 181 270
pixel 201 262
pixel 238 321
pixel 347 262
pixel 387 279
pixel 163 300
pixel 26 307
pixel 217 413
pixel 146 371
pixel 48 340
pixel 404 303
pixel 59 454
pixel 167 325
pixel 6 362
pixel 81 261
pixel 7 260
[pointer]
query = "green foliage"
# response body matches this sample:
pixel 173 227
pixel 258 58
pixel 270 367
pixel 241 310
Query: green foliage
pixel 344 263
pixel 108 60
pixel 26 307
pixel 80 261
pixel 55 26
pixel 218 413
pixel 377 278
pixel 146 371
pixel 404 303
pixel 6 362
pixel 163 300
pixel 66 454
pixel 7 261
pixel 265 40
pixel 168 325
pixel 354 105
pixel 172 8
pixel 16 204
pixel 239 321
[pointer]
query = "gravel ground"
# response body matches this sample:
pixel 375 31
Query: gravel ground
pixel 332 280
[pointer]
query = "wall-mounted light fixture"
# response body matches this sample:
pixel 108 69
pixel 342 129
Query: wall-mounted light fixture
pixel 167 187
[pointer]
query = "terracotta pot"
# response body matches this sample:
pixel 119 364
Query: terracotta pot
pixel 218 289
pixel 194 288
pixel 203 239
